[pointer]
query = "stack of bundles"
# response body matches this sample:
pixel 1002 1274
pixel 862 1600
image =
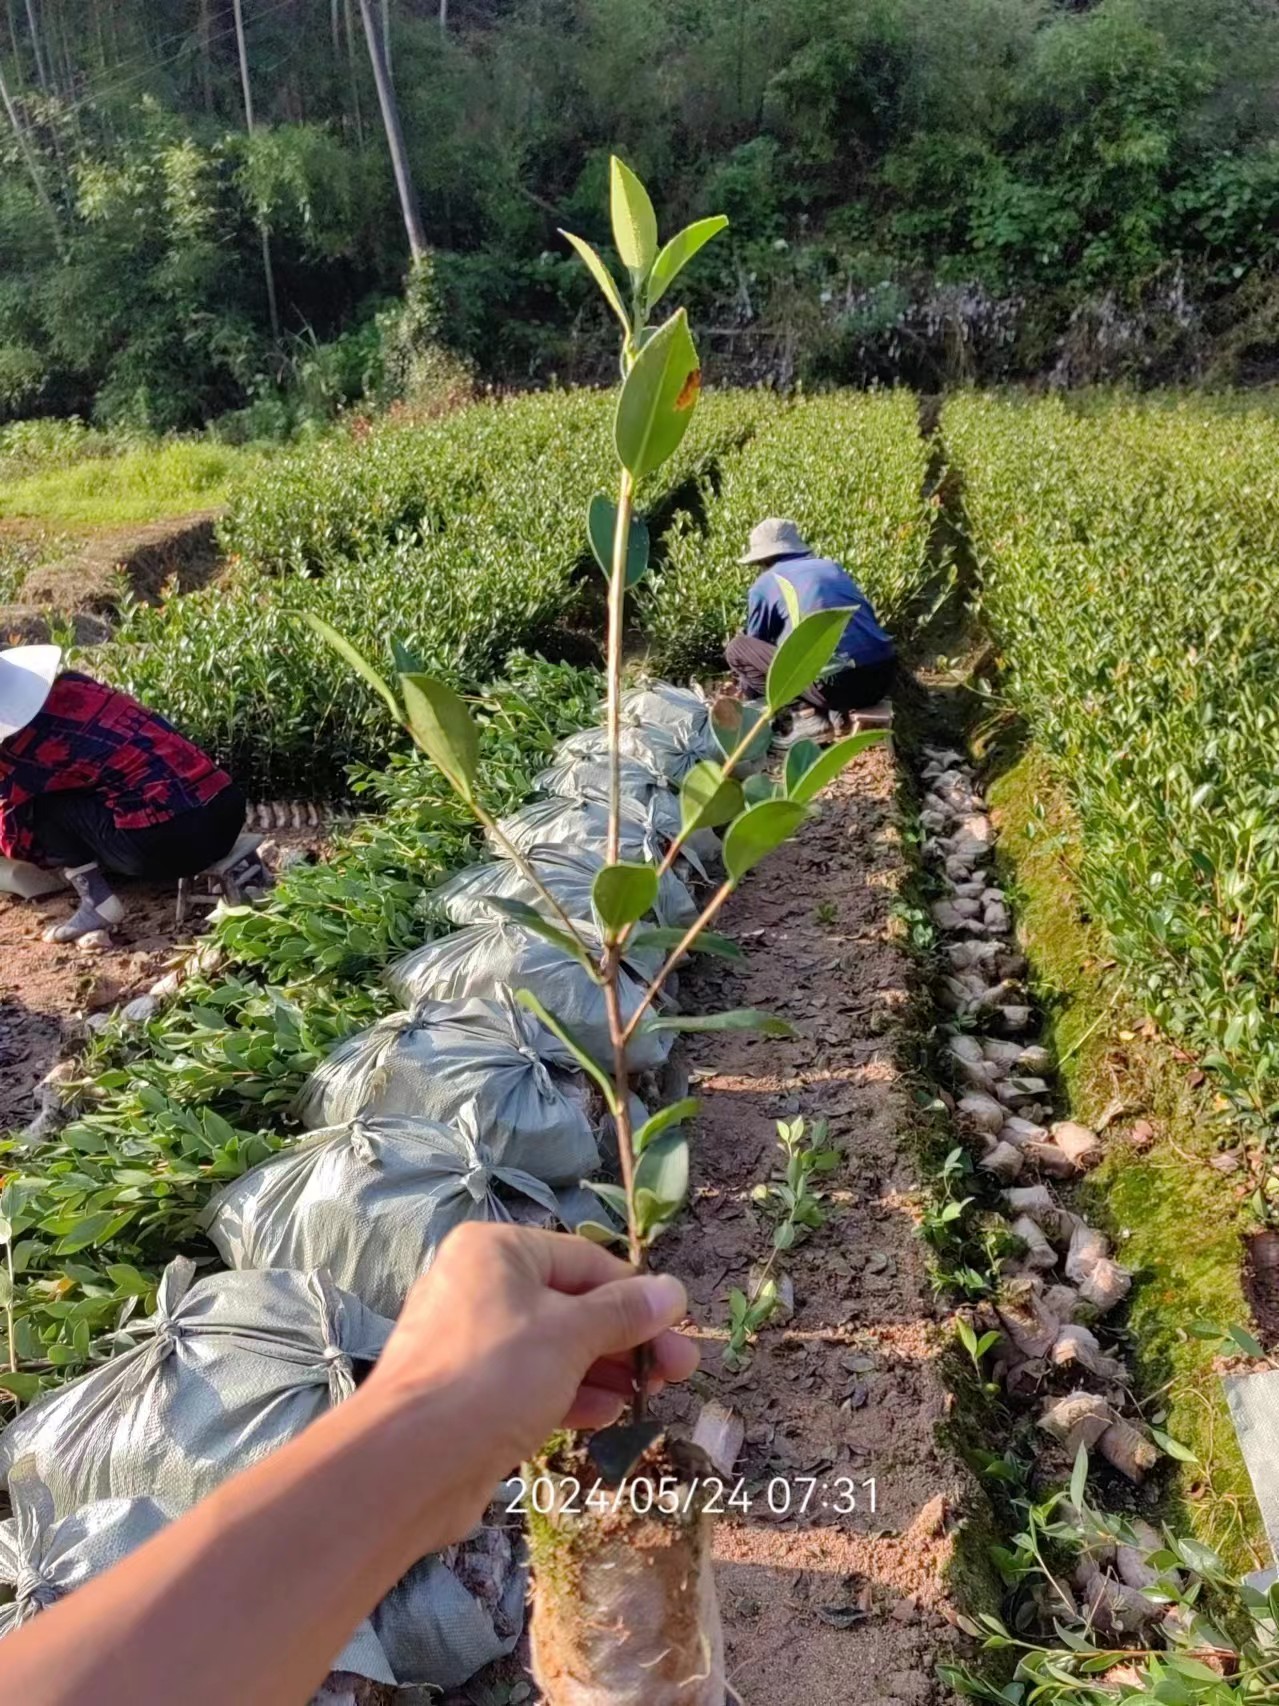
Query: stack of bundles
pixel 645 831
pixel 371 1202
pixel 231 1367
pixel 532 1106
pixel 567 875
pixel 577 778
pixel 480 959
pixel 672 749
pixel 43 1558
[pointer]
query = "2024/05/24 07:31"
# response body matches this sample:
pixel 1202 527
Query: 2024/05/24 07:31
pixel 780 1497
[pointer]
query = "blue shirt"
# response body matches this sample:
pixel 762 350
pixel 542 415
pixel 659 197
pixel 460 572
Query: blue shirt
pixel 819 585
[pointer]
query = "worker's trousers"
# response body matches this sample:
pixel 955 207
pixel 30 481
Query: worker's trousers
pixel 75 827
pixel 852 689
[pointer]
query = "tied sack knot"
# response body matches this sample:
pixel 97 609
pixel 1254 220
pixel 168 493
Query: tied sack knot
pixel 32 1588
pixel 341 1372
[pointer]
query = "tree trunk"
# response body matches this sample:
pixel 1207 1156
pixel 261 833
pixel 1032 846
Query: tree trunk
pixel 33 166
pixel 267 269
pixel 37 47
pixel 394 136
pixel 355 80
pixel 206 55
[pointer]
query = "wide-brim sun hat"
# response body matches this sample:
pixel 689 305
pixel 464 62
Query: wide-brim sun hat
pixel 27 674
pixel 775 537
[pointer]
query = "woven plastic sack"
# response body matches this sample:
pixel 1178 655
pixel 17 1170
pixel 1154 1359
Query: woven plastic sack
pixel 370 1201
pixel 577 778
pixel 228 1368
pixel 645 832
pixel 670 750
pixel 456 1611
pixel 566 874
pixel 661 705
pixel 42 1559
pixel 477 960
pixel 532 1107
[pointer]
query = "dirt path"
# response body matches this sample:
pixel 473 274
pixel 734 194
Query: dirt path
pixel 823 1608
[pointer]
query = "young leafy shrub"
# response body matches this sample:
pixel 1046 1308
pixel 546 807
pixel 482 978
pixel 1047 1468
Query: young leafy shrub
pixel 625 1608
pixel 849 469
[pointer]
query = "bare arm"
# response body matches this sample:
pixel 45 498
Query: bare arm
pixel 250 1596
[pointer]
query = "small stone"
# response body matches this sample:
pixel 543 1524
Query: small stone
pixel 139 1010
pixel 905 1611
pixel 94 942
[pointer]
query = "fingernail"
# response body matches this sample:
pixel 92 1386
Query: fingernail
pixel 666 1299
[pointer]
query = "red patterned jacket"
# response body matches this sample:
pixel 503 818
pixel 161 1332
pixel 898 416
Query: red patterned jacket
pixel 90 736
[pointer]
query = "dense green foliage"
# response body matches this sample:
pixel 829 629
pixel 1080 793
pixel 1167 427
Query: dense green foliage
pixel 201 1092
pixel 462 537
pixel 1129 573
pixel 915 189
pixel 849 469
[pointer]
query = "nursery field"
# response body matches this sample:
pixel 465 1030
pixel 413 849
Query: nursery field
pixel 917 1264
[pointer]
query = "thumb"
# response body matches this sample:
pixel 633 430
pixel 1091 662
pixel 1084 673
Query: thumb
pixel 628 1312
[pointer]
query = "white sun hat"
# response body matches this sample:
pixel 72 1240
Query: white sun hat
pixel 775 538
pixel 26 675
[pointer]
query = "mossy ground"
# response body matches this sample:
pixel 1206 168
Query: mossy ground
pixel 1176 1221
pixel 150 483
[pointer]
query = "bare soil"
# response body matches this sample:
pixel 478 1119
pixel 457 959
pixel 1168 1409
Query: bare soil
pixel 48 990
pixel 821 1607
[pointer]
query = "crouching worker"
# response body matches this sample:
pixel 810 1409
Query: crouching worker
pixel 93 783
pixel 865 661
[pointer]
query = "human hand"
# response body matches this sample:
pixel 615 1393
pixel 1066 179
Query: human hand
pixel 527 1332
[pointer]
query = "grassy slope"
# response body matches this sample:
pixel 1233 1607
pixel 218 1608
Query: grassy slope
pixel 1175 1220
pixel 150 483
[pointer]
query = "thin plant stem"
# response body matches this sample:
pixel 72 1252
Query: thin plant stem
pixel 488 823
pixel 616 617
pixel 700 923
pixel 11 1320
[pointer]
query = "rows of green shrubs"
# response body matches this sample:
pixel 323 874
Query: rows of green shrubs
pixel 849 468
pixel 1129 563
pixel 463 537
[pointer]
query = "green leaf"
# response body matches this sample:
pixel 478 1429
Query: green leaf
pixel 558 1028
pixel 708 798
pixel 598 1233
pixel 736 725
pixel 667 936
pixel 835 759
pixel 757 789
pixel 676 255
pixel 87 1232
pixel 759 831
pixel 1245 1342
pixel 800 758
pixel 739 1019
pixel 663 1169
pixel 603 277
pixel 24 1386
pixel 624 893
pixel 803 655
pixel 790 598
pixel 658 397
pixel 634 222
pixel 1173 1447
pixel 1079 1478
pixel 661 1121
pixel 601 528
pixel 612 1196
pixel 443 727
pixel 520 912
pixel 358 662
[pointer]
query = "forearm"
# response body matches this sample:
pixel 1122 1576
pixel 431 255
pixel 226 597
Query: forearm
pixel 252 1595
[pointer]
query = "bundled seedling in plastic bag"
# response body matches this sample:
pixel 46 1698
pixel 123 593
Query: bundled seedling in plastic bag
pixel 533 1108
pixel 371 1202
pixel 567 876
pixel 225 1370
pixel 476 961
pixel 556 822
